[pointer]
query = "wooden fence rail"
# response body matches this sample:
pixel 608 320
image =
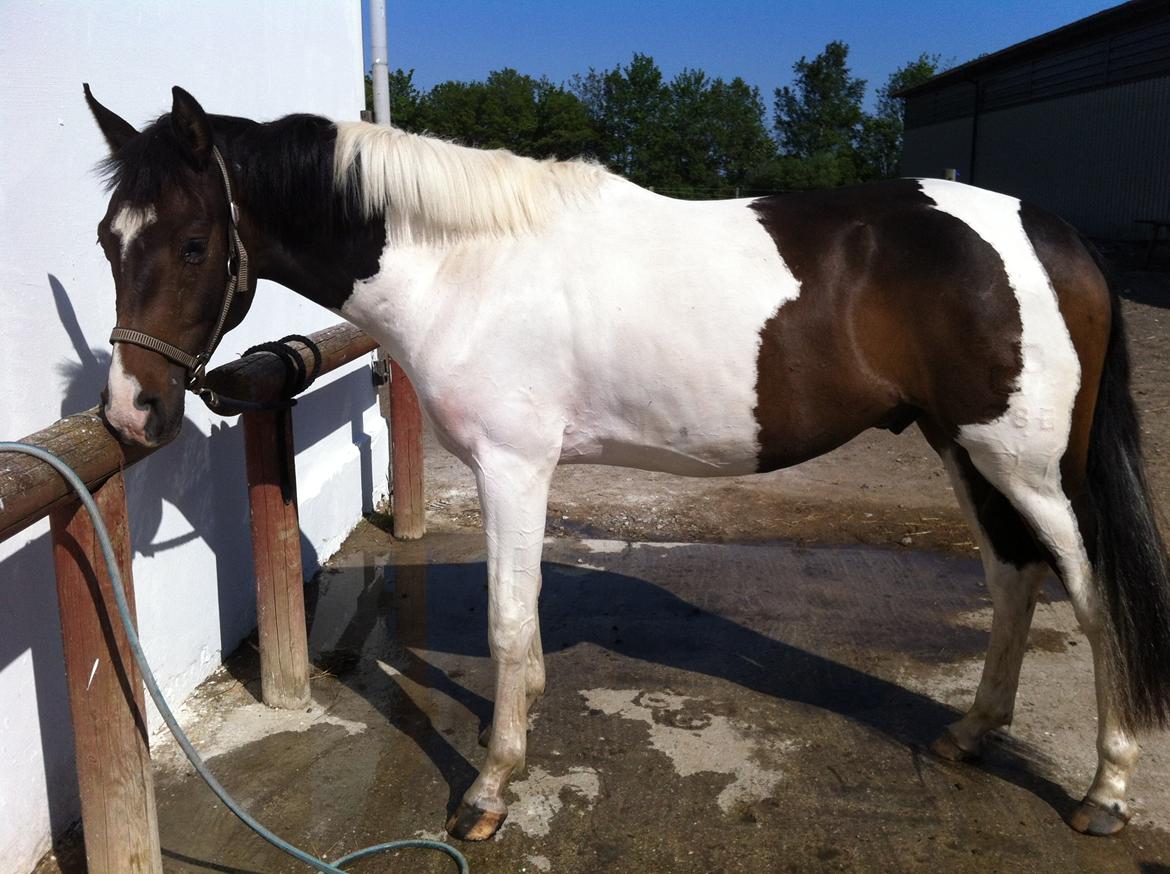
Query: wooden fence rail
pixel 105 690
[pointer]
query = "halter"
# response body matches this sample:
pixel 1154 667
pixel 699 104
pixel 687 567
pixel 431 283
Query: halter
pixel 237 268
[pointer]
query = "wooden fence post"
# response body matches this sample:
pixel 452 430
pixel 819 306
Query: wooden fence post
pixel 106 698
pixel 276 550
pixel 406 457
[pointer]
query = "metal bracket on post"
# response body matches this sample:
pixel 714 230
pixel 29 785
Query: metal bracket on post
pixel 380 370
pixel 399 405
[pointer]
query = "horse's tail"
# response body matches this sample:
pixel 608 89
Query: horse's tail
pixel 1128 553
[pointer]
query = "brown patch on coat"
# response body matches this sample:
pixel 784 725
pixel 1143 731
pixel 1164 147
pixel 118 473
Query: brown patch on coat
pixel 904 313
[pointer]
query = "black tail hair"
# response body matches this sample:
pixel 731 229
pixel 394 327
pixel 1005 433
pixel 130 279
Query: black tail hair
pixel 1130 566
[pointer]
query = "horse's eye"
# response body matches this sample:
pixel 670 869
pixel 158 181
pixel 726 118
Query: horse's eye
pixel 194 250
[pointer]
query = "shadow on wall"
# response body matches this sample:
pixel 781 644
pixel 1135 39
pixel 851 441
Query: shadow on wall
pixel 201 477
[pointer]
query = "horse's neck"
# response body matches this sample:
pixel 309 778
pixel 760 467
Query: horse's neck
pixel 426 290
pixel 398 304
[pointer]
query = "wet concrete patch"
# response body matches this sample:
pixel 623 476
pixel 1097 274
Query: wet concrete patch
pixel 540 796
pixel 710 708
pixel 697 741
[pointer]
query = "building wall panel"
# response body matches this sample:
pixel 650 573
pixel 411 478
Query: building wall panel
pixel 188 503
pixel 930 149
pixel 1098 158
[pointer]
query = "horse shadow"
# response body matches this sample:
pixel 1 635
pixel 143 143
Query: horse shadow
pixel 639 620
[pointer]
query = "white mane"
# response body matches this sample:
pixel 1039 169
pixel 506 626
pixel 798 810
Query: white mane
pixel 434 191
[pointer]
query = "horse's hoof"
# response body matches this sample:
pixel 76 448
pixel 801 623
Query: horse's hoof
pixel 947 747
pixel 472 824
pixel 1091 818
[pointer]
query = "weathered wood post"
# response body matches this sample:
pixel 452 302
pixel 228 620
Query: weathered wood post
pixel 406 455
pixel 105 690
pixel 276 551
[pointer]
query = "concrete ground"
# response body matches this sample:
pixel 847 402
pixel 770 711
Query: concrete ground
pixel 710 707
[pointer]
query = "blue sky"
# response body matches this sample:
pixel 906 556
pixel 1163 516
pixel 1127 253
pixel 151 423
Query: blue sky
pixel 466 39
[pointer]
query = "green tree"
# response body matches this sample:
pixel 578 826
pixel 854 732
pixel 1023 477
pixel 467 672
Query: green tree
pixel 740 140
pixel 691 136
pixel 509 110
pixel 563 126
pixel 451 110
pixel 820 117
pixel 880 141
pixel 404 98
pixel 629 107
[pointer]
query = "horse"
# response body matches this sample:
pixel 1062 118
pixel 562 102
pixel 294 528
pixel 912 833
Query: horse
pixel 552 312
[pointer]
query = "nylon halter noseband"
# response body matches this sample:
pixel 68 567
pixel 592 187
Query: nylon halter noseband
pixel 237 268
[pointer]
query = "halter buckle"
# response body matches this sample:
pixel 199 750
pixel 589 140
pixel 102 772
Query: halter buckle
pixel 198 375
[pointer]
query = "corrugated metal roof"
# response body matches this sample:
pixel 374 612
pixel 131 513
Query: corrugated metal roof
pixel 1078 48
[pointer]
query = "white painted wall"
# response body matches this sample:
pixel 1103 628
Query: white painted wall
pixel 189 523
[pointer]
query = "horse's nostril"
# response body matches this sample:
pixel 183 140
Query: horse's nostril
pixel 149 404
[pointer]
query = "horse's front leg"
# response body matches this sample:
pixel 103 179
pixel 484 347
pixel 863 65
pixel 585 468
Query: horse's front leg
pixel 513 494
pixel 533 680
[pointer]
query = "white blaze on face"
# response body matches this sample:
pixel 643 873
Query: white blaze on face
pixel 130 222
pixel 122 409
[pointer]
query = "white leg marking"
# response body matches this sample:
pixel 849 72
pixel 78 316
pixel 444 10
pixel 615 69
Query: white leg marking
pixel 123 411
pixel 130 222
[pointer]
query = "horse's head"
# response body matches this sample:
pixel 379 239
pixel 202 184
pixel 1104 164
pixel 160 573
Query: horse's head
pixel 168 235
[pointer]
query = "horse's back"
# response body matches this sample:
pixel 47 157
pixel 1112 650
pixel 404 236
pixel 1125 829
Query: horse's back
pixel 727 337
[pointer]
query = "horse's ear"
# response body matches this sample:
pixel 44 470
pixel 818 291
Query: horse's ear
pixel 114 128
pixel 191 125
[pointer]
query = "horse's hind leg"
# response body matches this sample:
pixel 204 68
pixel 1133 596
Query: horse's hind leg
pixel 1028 477
pixel 1015 567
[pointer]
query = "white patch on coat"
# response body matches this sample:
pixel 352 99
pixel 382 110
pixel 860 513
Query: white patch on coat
pixel 123 411
pixel 539 797
pixel 627 332
pixel 1032 435
pixel 709 744
pixel 130 222
pixel 437 191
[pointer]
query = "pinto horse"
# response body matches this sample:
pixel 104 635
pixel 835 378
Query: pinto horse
pixel 551 312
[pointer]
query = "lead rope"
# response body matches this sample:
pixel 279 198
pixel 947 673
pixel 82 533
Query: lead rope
pixel 160 702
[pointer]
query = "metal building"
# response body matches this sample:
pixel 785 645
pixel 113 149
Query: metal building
pixel 1076 120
